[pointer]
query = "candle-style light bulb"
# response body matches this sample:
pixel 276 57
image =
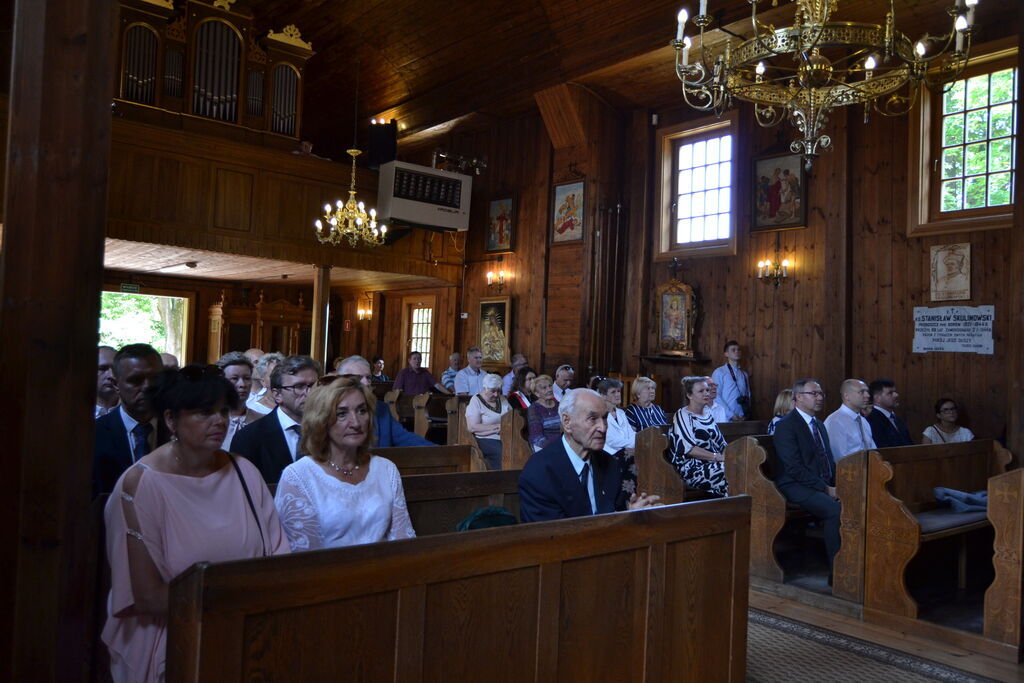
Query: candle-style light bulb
pixel 760 269
pixel 703 7
pixel 681 22
pixel 686 51
pixel 961 23
pixel 785 265
pixel 490 277
pixel 919 48
pixel 870 63
pixel 760 68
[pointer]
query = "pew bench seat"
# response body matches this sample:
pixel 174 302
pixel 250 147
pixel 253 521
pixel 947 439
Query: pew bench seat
pixel 937 524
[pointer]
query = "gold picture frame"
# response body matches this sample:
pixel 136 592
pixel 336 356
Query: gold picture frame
pixel 677 314
pixel 495 328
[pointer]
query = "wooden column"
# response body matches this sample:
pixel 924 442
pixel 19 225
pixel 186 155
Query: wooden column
pixel 1015 314
pixel 50 277
pixel 321 313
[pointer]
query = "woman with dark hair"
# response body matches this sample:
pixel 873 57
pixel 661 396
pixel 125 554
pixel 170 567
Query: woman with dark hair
pixel 340 494
pixel 521 395
pixel 945 429
pixel 238 370
pixel 620 439
pixel 698 447
pixel 188 501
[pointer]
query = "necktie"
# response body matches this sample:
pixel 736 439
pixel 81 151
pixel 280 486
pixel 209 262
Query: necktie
pixel 895 425
pixel 860 428
pixel 585 480
pixel 140 439
pixel 298 440
pixel 824 461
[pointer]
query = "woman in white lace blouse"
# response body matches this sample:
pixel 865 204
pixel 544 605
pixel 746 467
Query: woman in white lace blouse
pixel 340 494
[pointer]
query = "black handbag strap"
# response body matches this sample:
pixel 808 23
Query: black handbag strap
pixel 252 507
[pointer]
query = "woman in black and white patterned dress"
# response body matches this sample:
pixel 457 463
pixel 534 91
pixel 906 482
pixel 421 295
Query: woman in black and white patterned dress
pixel 698 447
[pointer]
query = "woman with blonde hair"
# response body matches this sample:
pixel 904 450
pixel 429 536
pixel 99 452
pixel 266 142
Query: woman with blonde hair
pixel 643 412
pixel 340 494
pixel 783 407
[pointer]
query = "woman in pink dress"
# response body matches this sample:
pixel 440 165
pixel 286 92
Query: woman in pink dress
pixel 188 501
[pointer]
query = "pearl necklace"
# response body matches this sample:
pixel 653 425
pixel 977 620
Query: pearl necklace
pixel 342 470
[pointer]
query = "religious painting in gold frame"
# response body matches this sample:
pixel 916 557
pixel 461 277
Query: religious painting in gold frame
pixel 676 315
pixel 495 328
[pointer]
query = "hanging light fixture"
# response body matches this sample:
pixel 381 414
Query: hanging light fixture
pixel 803 71
pixel 350 220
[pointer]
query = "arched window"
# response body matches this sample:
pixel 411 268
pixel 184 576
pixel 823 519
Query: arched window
pixel 285 105
pixel 138 72
pixel 215 76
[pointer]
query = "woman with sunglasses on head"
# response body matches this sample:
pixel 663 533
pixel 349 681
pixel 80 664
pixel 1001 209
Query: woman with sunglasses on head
pixel 945 429
pixel 341 494
pixel 188 501
pixel 238 370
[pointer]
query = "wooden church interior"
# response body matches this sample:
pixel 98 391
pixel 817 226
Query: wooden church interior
pixel 117 176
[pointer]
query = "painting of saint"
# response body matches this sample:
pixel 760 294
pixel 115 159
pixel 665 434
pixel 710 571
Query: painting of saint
pixel 494 330
pixel 951 272
pixel 778 193
pixel 500 225
pixel 673 322
pixel 567 213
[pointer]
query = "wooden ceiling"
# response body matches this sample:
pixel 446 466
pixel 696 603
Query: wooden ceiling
pixel 428 63
pixel 139 257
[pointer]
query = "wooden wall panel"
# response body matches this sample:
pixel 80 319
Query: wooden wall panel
pixel 232 200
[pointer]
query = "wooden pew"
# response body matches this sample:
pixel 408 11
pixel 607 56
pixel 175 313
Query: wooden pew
pixel 380 389
pixel 654 595
pixel 900 510
pixel 749 471
pixel 1004 614
pixel 655 475
pixel 455 407
pixel 515 448
pixel 736 430
pixel 430 412
pixel 438 502
pixel 434 459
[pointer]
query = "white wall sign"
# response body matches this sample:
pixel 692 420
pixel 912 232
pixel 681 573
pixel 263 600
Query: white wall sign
pixel 961 329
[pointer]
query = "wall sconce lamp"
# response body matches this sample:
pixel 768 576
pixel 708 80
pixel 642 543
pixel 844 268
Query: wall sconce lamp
pixel 496 281
pixel 365 312
pixel 773 272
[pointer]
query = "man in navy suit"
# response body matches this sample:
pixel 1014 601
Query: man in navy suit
pixel 272 441
pixel 573 476
pixel 130 431
pixel 887 428
pixel 388 431
pixel 806 473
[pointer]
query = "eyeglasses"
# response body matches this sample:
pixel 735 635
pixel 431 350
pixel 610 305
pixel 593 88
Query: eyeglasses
pixel 949 410
pixel 816 394
pixel 195 373
pixel 299 389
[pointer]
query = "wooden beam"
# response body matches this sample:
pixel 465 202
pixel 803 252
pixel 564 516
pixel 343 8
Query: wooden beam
pixel 560 107
pixel 58 151
pixel 321 313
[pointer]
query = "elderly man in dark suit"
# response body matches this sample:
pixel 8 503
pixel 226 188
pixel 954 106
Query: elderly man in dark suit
pixel 806 473
pixel 574 477
pixel 887 428
pixel 272 442
pixel 130 431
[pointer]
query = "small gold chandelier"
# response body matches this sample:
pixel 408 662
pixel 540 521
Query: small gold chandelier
pixel 350 220
pixel 802 72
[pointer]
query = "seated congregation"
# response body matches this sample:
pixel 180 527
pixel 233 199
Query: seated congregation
pixel 263 455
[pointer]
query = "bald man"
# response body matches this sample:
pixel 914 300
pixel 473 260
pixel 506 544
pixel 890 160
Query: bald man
pixel 848 429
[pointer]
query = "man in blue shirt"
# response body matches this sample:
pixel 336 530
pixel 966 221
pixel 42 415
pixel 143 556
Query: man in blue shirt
pixel 733 384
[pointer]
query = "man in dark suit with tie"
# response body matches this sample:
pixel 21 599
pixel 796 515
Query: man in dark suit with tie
pixel 129 432
pixel 272 442
pixel 574 477
pixel 806 473
pixel 887 428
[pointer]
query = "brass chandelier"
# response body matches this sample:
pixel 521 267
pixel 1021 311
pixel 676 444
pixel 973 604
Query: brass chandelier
pixel 803 71
pixel 350 220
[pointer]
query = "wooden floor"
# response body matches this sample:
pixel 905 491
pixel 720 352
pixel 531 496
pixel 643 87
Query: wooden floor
pixel 936 652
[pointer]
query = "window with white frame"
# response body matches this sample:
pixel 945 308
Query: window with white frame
pixel 963 141
pixel 696 196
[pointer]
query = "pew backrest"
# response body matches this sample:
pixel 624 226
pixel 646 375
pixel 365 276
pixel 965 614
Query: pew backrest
pixel 655 475
pixel 749 467
pixel 433 459
pixel 655 594
pixel 380 389
pixel 735 430
pixel 1004 606
pixel 515 448
pixel 438 502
